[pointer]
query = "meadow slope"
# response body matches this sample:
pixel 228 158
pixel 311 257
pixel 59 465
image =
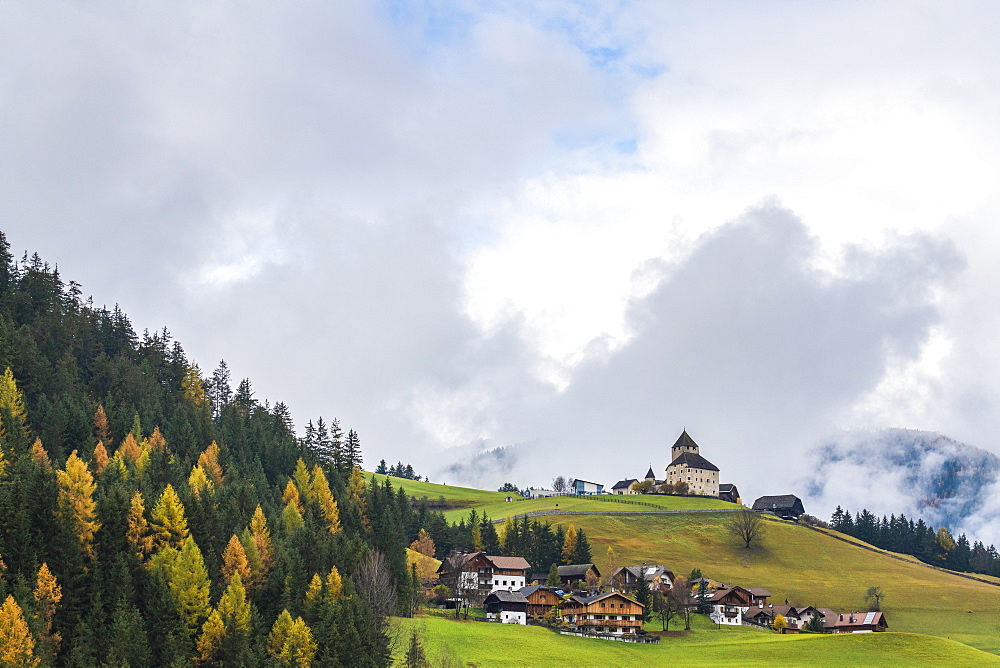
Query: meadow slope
pixel 804 567
pixel 502 646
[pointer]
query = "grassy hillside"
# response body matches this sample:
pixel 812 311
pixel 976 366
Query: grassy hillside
pixel 502 645
pixel 455 497
pixel 604 504
pixel 805 567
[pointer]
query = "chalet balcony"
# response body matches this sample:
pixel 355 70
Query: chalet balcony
pixel 608 622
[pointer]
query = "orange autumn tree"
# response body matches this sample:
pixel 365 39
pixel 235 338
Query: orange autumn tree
pixel 235 562
pixel 76 502
pixel 102 432
pixel 209 461
pixel 100 458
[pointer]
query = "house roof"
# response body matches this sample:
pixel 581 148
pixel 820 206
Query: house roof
pixel 587 600
pixel 457 561
pixel 685 440
pixel 510 563
pixel 694 460
pixel 848 619
pixel 624 483
pixel 538 576
pixel 760 592
pixel 574 570
pixel 505 596
pixel 778 502
pixel 649 572
pixel 650 474
pixel 531 589
pixel 726 487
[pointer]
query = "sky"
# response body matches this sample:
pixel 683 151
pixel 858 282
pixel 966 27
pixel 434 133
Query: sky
pixel 579 227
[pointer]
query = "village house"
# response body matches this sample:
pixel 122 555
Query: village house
pixel 624 486
pixel 541 599
pixel 730 604
pixel 472 575
pixel 796 617
pixel 604 613
pixel 585 487
pixel 786 506
pixel 573 573
pixel 507 607
pixel 728 492
pixel 688 466
pixel 860 622
pixel 659 578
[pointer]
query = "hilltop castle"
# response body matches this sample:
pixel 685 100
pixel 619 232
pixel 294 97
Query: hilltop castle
pixel 687 465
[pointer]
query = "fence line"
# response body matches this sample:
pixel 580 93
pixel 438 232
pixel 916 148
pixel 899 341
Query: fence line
pixel 540 513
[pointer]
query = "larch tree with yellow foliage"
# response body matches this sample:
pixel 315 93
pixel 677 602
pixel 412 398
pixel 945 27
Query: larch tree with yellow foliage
pixel 187 578
pixel 47 595
pixel 291 495
pixel 40 455
pixel 17 646
pixel 139 532
pixel 291 642
pixel 324 499
pixel 302 481
pixel 198 482
pixel 235 562
pixel 356 494
pixel 209 461
pixel 193 389
pixel 569 545
pixel 76 502
pixel 262 538
pixel 169 521
pixel 13 414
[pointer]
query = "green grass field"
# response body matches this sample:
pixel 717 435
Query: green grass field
pixel 804 567
pixel 458 497
pixel 501 509
pixel 484 645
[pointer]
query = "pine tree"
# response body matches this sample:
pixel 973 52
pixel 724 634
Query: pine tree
pixel 235 562
pixel 352 450
pixel 17 647
pixel 356 493
pixel 381 468
pixel 76 502
pixel 338 455
pixel 169 522
pixel 553 579
pixel 582 554
pixel 292 518
pixel 221 392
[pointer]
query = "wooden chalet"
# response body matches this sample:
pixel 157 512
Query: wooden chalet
pixel 728 492
pixel 508 607
pixel 541 599
pixel 568 575
pixel 613 613
pixel 786 506
pixel 660 578
pixel 472 572
pixel 860 622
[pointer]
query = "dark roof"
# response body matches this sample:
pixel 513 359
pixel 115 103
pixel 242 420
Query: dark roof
pixel 505 596
pixel 531 589
pixel 574 570
pixel 538 576
pixel 779 502
pixel 624 483
pixel 726 487
pixel 694 460
pixel 650 474
pixel 685 440
pixel 758 591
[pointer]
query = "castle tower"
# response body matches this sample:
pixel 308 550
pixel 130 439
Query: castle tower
pixel 683 444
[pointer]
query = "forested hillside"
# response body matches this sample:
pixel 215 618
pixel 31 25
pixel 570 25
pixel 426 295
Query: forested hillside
pixel 150 515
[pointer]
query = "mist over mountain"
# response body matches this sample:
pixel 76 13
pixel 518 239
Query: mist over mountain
pixel 922 474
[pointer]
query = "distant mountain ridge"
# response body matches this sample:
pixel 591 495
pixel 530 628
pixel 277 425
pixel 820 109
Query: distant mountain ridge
pixel 919 473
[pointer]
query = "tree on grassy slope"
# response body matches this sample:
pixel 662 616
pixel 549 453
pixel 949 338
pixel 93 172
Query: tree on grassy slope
pixel 746 525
